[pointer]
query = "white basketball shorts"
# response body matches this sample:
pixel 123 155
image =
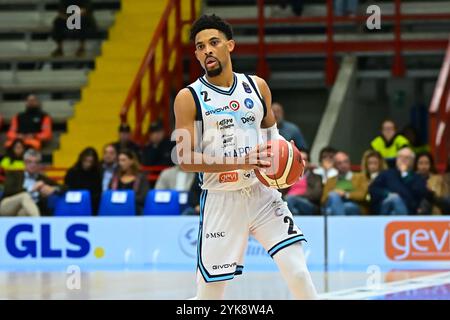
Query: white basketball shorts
pixel 228 218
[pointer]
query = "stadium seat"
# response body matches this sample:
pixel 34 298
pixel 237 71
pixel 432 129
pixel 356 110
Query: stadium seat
pixel 118 203
pixel 74 203
pixel 183 200
pixel 163 202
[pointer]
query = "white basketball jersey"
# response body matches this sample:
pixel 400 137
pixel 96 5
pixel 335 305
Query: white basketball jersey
pixel 231 123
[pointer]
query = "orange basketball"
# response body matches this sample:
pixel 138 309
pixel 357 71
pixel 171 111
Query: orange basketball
pixel 287 166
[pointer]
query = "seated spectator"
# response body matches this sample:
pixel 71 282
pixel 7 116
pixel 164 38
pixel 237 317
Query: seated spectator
pixel 26 192
pixel 371 165
pixel 400 190
pixel 288 130
pixel 129 177
pixel 304 196
pixel 389 142
pixel 108 165
pixel 86 174
pixel 125 141
pixel 33 126
pixel 61 32
pixel 287 8
pixel 444 201
pixel 194 198
pixel 345 7
pixel 326 168
pixel 175 179
pixel 157 152
pixel 13 160
pixel 424 166
pixel 343 194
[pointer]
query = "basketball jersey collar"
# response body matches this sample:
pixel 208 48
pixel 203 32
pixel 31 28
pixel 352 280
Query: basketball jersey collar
pixel 213 87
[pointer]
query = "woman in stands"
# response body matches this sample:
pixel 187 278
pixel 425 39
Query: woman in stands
pixel 129 177
pixel 372 164
pixel 86 174
pixel 424 166
pixel 13 160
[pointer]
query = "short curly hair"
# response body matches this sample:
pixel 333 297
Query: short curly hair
pixel 211 22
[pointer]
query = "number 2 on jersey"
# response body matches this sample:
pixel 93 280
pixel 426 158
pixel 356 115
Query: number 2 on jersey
pixel 291 225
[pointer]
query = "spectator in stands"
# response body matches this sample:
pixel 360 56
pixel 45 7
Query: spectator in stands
pixel 13 160
pixel 194 198
pixel 389 142
pixel 26 192
pixel 372 164
pixel 33 126
pixel 326 168
pixel 86 174
pixel 304 196
pixel 424 166
pixel 444 201
pixel 61 31
pixel 129 177
pixel 125 141
pixel 345 7
pixel 418 146
pixel 398 191
pixel 287 8
pixel 175 179
pixel 109 165
pixel 287 129
pixel 157 152
pixel 343 194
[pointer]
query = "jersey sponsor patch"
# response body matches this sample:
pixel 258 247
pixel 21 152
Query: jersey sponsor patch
pixel 234 105
pixel 225 124
pixel 248 103
pixel 246 87
pixel 227 177
pixel 249 118
pixel 218 110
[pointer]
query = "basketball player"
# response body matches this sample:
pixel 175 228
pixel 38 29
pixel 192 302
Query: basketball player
pixel 234 203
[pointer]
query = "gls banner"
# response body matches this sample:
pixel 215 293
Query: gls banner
pixel 118 242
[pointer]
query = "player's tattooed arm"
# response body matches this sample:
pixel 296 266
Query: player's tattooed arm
pixel 188 156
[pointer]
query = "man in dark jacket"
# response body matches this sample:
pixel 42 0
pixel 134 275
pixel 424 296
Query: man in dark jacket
pixel 125 142
pixel 158 150
pixel 400 190
pixel 26 192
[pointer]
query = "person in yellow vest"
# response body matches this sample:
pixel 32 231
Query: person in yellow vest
pixel 13 160
pixel 389 142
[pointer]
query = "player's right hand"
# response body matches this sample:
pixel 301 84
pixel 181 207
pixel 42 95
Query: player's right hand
pixel 258 158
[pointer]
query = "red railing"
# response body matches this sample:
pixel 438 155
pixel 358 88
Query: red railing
pixel 440 114
pixel 158 79
pixel 330 46
pixel 166 77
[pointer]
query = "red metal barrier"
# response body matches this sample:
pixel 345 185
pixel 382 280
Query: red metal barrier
pixel 158 75
pixel 440 114
pixel 330 46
